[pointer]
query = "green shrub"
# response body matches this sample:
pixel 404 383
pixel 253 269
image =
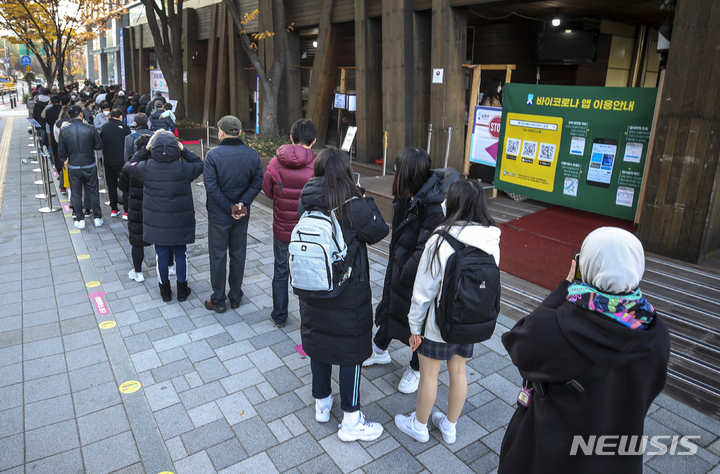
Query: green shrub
pixel 265 146
pixel 187 123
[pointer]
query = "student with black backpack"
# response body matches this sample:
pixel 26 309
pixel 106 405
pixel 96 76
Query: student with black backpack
pixel 454 305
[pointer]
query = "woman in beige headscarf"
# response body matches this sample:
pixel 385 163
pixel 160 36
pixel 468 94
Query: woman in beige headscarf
pixel 593 357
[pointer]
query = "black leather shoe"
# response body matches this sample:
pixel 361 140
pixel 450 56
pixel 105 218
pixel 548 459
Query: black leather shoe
pixel 235 305
pixel 218 309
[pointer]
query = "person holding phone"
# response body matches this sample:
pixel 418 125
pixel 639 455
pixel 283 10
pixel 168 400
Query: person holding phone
pixel 418 194
pixel 233 178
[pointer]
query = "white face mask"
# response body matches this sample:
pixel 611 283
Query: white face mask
pixel 219 137
pixel 499 89
pixel 106 112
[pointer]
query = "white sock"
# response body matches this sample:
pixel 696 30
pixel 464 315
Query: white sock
pixel 417 426
pixel 351 418
pixel 325 403
pixel 446 425
pixel 377 349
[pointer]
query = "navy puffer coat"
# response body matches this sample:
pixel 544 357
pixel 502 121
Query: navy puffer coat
pixel 134 188
pixel 168 210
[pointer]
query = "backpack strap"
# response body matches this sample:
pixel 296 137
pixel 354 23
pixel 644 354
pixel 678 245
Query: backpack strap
pixel 455 243
pixel 574 386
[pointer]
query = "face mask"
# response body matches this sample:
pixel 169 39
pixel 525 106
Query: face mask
pixel 499 89
pixel 106 112
pixel 219 137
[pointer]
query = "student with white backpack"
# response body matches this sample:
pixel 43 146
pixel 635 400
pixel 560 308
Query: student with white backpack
pixel 336 325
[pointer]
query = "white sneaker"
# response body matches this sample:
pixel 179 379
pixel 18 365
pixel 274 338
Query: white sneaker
pixel 406 424
pixel 98 222
pixel 409 381
pixel 79 224
pixel 137 276
pixel 364 430
pixel 377 358
pixel 172 270
pixel 437 419
pixel 322 409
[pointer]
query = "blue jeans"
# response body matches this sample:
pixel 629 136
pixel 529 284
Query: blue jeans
pixel 280 282
pixel 163 253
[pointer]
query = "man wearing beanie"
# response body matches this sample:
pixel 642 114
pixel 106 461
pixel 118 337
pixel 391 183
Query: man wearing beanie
pixel 233 178
pixel 76 144
pixel 113 135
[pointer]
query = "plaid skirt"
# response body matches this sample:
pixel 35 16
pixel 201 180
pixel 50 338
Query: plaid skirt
pixel 444 351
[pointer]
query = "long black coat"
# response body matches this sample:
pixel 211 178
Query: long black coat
pixel 168 209
pixel 558 342
pixel 134 187
pixel 338 330
pixel 414 219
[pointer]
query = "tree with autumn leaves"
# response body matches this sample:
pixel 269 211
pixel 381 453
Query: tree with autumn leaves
pixel 51 29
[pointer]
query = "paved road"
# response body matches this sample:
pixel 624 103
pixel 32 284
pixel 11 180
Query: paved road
pixel 215 392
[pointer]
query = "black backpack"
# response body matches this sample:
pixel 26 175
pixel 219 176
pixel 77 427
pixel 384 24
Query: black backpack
pixel 469 303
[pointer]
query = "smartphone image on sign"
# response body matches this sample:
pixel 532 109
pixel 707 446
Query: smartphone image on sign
pixel 602 160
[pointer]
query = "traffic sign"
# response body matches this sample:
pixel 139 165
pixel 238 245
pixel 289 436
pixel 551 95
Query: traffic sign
pixel 26 60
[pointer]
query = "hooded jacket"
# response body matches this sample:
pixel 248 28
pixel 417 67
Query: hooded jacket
pixel 414 220
pixel 283 182
pixel 233 174
pixel 134 188
pixel 168 210
pixel 41 101
pixel 160 123
pixel 338 330
pixel 428 282
pixel 77 144
pixel 557 343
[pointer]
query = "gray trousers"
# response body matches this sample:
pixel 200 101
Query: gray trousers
pixel 224 239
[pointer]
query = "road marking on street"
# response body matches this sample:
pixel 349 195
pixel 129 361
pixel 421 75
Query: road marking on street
pixel 92 284
pixel 5 155
pixel 83 256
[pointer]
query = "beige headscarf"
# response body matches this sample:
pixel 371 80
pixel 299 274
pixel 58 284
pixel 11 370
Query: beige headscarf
pixel 612 260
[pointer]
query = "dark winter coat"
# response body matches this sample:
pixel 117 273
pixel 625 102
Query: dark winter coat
pixel 160 123
pixel 283 182
pixel 150 106
pixel 77 144
pixel 129 145
pixel 233 174
pixel 338 330
pixel 168 211
pixel 558 342
pixel 134 187
pixel 41 101
pixel 414 219
pixel 113 135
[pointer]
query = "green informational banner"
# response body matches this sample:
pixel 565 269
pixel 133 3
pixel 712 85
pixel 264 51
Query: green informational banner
pixel 580 147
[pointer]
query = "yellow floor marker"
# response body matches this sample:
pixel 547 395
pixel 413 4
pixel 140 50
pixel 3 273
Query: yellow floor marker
pixel 92 284
pixel 130 387
pixel 107 324
pixel 83 256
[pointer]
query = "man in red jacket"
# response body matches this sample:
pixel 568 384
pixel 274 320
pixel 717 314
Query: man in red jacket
pixel 283 182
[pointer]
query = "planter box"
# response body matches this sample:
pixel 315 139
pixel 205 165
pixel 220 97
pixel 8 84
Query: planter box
pixel 189 134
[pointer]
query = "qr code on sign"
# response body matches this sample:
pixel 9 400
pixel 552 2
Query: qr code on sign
pixel 529 149
pixel 547 152
pixel 513 146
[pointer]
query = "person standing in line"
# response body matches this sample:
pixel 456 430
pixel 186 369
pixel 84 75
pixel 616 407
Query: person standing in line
pixel 468 221
pixel 336 329
pixel 233 178
pixel 158 121
pixel 167 207
pixel 51 116
pixel 113 135
pixel 284 179
pixel 417 209
pixel 77 144
pixel 103 116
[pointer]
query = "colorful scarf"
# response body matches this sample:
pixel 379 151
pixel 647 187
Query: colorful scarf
pixel 631 310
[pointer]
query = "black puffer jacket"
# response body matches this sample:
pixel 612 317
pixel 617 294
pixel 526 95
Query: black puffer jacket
pixel 233 174
pixel 168 210
pixel 77 144
pixel 338 330
pixel 134 187
pixel 160 123
pixel 414 219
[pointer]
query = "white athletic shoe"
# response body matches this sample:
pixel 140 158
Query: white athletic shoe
pixel 409 381
pixel 137 276
pixel 322 409
pixel 79 224
pixel 364 430
pixel 98 222
pixel 172 270
pixel 377 358
pixel 406 424
pixel 437 419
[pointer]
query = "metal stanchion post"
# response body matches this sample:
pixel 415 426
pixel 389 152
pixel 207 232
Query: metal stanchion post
pixel 385 144
pixel 207 132
pixel 429 137
pixel 48 194
pixel 99 166
pixel 447 149
pixel 202 149
pixel 38 182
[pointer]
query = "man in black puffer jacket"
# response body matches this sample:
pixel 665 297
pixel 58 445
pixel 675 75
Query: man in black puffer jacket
pixel 160 123
pixel 168 210
pixel 76 144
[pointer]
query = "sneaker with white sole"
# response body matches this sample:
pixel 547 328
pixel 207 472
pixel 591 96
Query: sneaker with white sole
pixel 409 381
pixel 406 424
pixel 377 358
pixel 364 430
pixel 322 409
pixel 79 224
pixel 438 419
pixel 98 222
pixel 137 276
pixel 172 270
pixel 114 213
pixel 125 216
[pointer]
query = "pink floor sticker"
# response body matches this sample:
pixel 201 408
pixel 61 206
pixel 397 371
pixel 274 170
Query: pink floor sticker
pixel 300 350
pixel 66 207
pixel 98 299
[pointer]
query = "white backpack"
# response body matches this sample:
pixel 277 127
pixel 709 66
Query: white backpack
pixel 316 245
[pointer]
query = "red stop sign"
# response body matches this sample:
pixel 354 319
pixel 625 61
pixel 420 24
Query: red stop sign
pixel 495 127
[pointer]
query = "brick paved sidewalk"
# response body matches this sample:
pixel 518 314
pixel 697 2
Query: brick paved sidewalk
pixel 219 392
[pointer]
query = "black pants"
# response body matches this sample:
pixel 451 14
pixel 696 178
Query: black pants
pixel 383 343
pixel 221 239
pixel 89 178
pixel 112 174
pixel 349 384
pixel 138 255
